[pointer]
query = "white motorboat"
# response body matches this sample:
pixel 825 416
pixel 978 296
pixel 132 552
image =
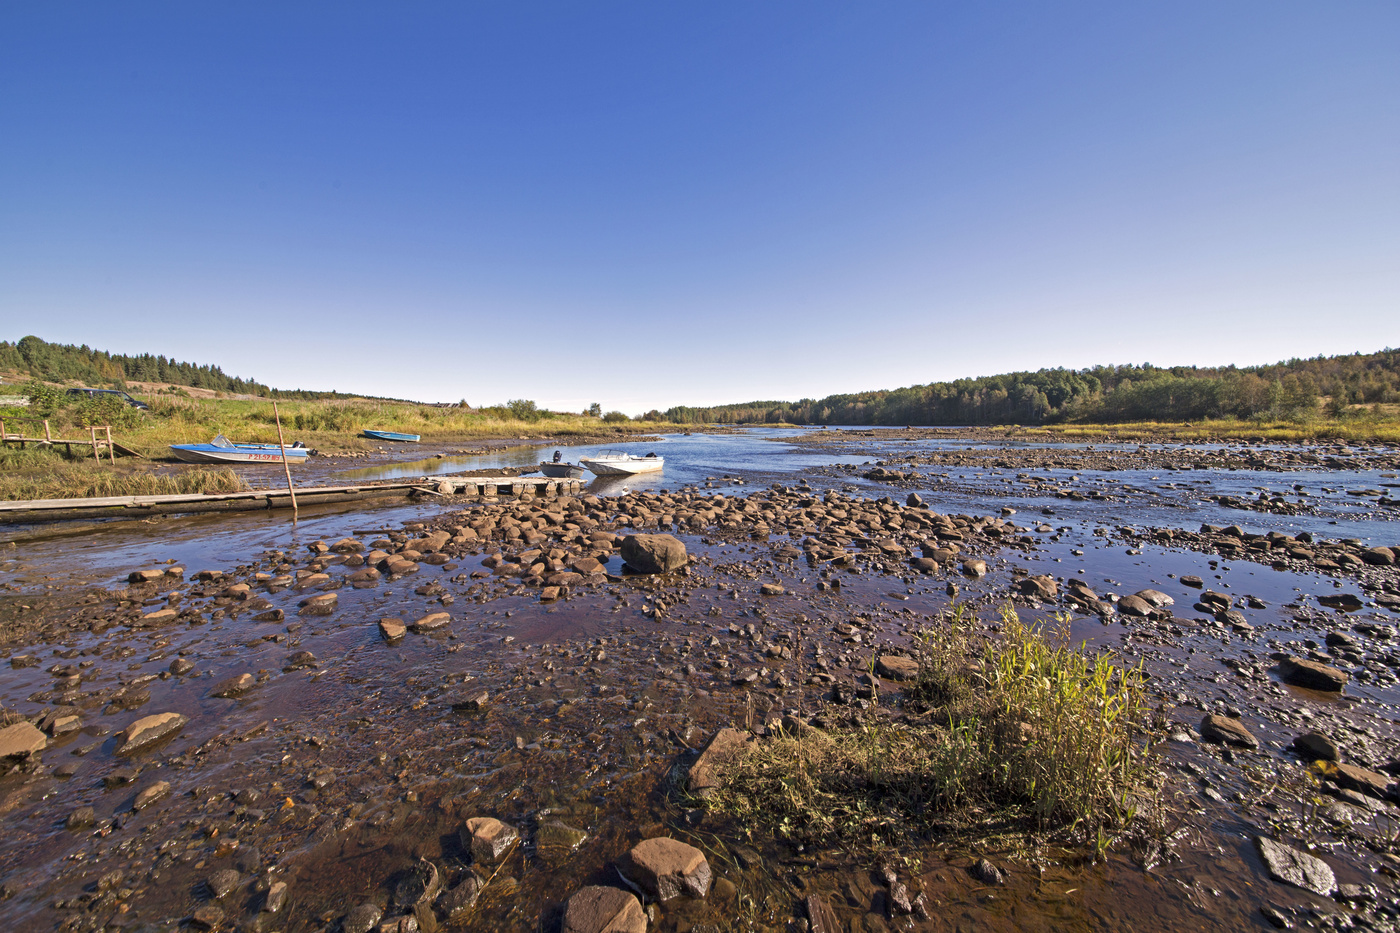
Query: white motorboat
pixel 619 463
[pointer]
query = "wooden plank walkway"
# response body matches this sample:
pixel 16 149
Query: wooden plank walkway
pixel 482 487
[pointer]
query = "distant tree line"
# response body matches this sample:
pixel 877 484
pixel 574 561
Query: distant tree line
pixel 1289 390
pixel 54 362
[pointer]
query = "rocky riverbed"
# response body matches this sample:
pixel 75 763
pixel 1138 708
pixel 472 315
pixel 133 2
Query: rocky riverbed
pixel 476 719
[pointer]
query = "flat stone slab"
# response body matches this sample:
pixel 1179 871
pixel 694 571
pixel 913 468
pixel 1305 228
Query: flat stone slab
pixel 604 910
pixel 897 667
pixel 391 629
pixel 726 745
pixel 1301 672
pixel 233 687
pixel 21 739
pixel 669 868
pixel 1299 869
pixel 149 730
pixel 1217 728
pixel 432 621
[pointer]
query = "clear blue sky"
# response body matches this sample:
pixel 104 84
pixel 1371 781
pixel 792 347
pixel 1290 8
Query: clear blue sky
pixel 652 203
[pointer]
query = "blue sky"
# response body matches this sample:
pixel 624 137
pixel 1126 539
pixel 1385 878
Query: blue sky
pixel 647 204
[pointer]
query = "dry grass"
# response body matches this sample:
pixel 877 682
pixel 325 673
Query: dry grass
pixel 38 474
pixel 1362 427
pixel 1023 730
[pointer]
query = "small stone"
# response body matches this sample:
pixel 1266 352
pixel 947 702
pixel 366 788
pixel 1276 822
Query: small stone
pixel 208 917
pixel 599 909
pixel 81 818
pixel 233 687
pixel 473 701
pixel 1317 746
pixel 276 897
pixel 987 873
pixel 669 868
pixel 181 666
pixel 1361 780
pixel 149 795
pixel 487 838
pixel 770 589
pixel 223 882
pixel 455 902
pixel 392 629
pixel 299 661
pixel 1299 869
pixel 975 568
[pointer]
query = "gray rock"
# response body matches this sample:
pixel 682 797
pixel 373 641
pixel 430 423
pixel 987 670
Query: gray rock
pixel 896 667
pixel 1302 672
pixel 233 687
pixel 1299 869
pixel 487 838
pixel 157 791
pixel 223 882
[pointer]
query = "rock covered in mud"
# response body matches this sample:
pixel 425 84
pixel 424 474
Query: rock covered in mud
pixel 1299 869
pixel 149 730
pixel 654 553
pixel 604 910
pixel 668 868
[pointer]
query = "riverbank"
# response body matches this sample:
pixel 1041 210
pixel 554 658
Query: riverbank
pixel 325 749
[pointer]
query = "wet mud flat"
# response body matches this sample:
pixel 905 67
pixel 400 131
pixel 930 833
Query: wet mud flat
pixel 337 713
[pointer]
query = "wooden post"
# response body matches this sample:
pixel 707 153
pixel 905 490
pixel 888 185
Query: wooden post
pixel 92 430
pixel 282 445
pixel 111 450
pixel 47 437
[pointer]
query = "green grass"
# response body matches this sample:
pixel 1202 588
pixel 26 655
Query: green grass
pixel 1023 730
pixel 329 425
pixel 48 474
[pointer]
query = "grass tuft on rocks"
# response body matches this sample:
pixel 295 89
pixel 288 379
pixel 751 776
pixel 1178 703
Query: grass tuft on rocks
pixel 1021 730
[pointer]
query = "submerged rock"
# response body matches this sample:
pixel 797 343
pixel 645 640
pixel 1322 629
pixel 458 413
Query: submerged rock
pixel 150 730
pixel 669 868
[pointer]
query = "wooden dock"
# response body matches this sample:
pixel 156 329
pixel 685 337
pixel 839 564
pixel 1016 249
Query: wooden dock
pixel 31 511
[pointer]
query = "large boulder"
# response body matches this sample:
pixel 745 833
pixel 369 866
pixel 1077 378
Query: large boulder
pixel 669 868
pixel 653 553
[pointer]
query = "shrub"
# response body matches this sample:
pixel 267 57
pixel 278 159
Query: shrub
pixel 615 417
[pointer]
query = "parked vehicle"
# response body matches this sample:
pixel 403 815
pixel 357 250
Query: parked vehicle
pixel 96 393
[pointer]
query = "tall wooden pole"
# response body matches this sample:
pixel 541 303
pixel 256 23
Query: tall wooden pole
pixel 92 430
pixel 47 436
pixel 282 444
pixel 111 450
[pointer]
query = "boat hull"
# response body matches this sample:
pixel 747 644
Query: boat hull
pixel 250 453
pixel 392 436
pixel 562 470
pixel 630 466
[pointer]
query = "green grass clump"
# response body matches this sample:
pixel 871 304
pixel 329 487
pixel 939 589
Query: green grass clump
pixel 1022 730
